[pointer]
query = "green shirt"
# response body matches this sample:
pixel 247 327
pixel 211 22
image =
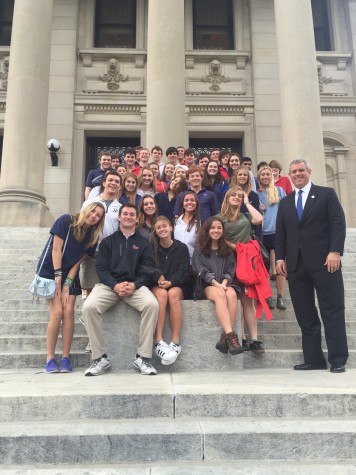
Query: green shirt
pixel 239 230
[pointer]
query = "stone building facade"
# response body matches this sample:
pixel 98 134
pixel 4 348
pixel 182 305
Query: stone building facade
pixel 276 78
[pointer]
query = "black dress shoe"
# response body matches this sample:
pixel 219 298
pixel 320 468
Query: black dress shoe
pixel 309 366
pixel 337 368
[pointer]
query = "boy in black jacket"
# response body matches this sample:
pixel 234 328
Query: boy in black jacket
pixel 120 257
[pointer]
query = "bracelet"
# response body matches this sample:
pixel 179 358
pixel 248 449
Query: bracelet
pixel 57 273
pixel 57 270
pixel 68 282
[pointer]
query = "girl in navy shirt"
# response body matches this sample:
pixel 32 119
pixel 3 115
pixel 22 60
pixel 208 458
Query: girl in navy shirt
pixel 80 233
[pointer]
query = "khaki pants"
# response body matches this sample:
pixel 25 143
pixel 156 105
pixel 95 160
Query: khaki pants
pixel 101 299
pixel 88 276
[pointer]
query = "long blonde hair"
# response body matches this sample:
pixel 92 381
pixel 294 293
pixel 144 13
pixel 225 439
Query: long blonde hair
pixel 226 211
pixel 271 189
pixel 154 179
pixel 78 221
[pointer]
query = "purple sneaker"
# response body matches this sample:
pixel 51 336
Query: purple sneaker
pixel 65 366
pixel 51 366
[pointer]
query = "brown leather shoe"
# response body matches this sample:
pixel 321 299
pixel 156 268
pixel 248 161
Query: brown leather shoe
pixel 221 345
pixel 233 343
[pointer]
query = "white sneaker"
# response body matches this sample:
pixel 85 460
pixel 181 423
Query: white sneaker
pixel 98 366
pixel 162 349
pixel 144 365
pixel 171 357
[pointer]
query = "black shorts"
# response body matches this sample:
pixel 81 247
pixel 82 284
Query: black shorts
pixel 75 288
pixel 269 241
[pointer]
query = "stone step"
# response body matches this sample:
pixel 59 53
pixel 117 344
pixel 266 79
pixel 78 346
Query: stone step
pixel 28 342
pixel 37 359
pixel 291 326
pixel 37 341
pixel 27 303
pixel 209 360
pixel 39 313
pixel 263 467
pixel 293 341
pixel 263 393
pixel 283 358
pixel 114 441
pixel 36 314
pixel 121 329
pixel 24 301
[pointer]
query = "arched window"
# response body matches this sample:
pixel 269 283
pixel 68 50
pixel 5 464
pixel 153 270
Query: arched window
pixel 115 24
pixel 6 14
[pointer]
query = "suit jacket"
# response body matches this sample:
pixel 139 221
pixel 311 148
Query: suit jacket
pixel 322 229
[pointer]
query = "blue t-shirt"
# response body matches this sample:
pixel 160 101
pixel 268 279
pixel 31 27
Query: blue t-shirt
pixel 94 177
pixel 73 252
pixel 270 213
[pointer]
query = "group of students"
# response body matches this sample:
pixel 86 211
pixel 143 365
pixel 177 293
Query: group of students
pixel 192 224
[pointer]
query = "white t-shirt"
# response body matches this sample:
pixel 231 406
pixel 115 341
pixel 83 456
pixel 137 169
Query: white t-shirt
pixel 182 234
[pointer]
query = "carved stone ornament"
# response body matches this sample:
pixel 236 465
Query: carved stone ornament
pixel 215 76
pixel 322 79
pixel 113 76
pixel 4 71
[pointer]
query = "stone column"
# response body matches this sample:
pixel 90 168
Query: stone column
pixel 165 74
pixel 299 87
pixel 22 202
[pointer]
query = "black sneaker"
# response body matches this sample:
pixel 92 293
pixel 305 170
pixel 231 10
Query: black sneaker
pixel 221 345
pixel 245 344
pixel 280 304
pixel 256 347
pixel 269 302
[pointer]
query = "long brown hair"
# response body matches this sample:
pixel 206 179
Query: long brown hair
pixel 182 186
pixel 203 242
pixel 142 216
pixel 78 222
pixel 196 215
pixel 132 198
pixel 155 238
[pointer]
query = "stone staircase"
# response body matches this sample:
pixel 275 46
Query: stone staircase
pixel 208 413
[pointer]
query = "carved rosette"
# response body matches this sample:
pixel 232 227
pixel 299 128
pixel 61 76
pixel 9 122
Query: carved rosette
pixel 215 76
pixel 113 77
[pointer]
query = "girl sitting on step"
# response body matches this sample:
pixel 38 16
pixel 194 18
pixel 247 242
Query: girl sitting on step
pixel 171 277
pixel 215 262
pixel 72 239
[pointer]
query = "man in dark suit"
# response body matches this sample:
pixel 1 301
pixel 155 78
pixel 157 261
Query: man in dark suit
pixel 310 238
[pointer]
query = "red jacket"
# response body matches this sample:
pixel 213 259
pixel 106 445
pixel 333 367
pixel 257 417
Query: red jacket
pixel 251 271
